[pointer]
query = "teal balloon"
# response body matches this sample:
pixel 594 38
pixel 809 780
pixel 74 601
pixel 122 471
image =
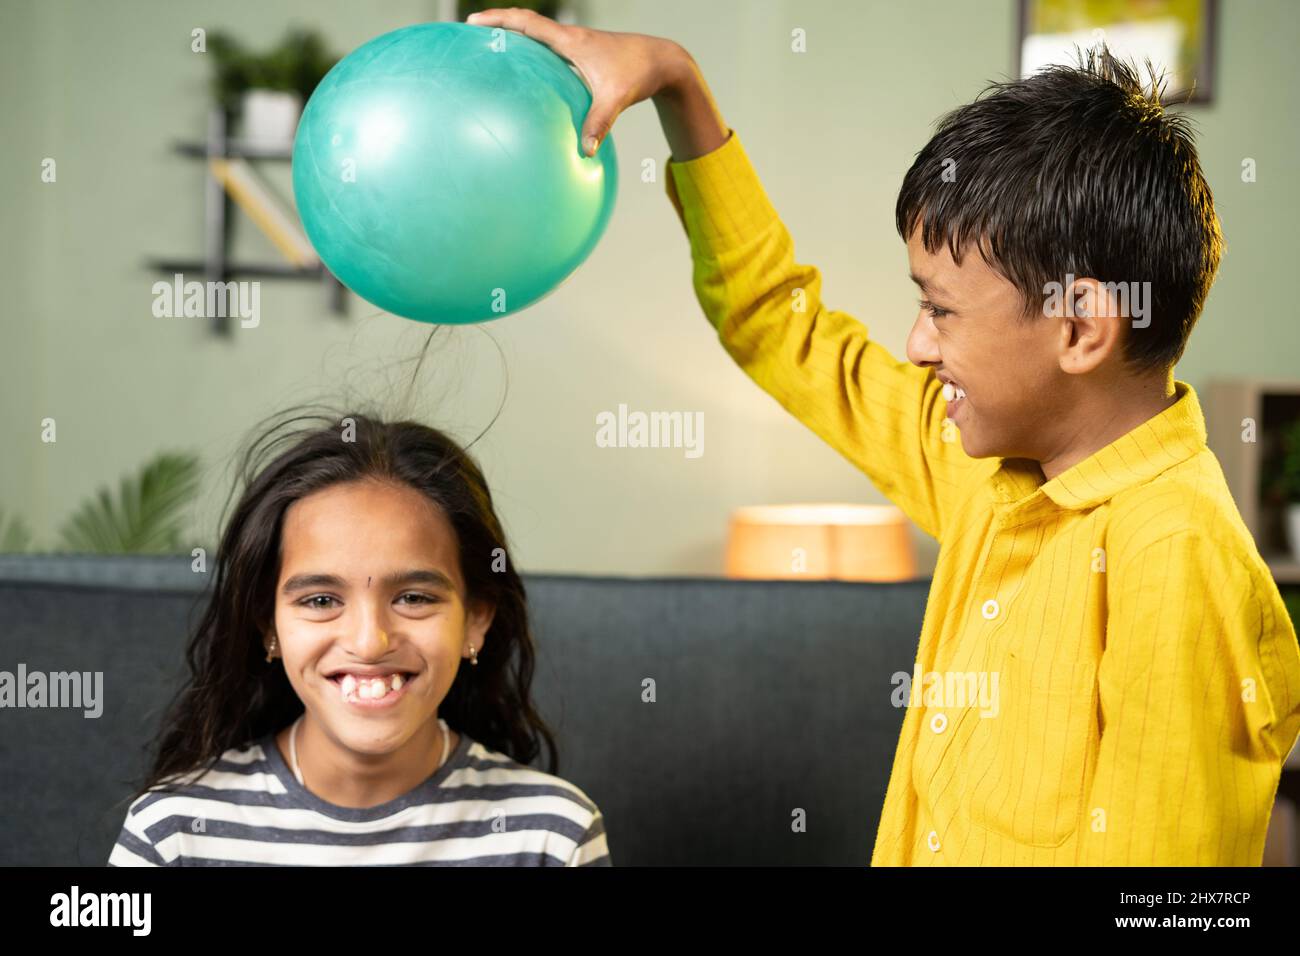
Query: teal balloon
pixel 439 173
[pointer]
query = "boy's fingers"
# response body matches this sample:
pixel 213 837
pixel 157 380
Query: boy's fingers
pixel 600 117
pixel 528 22
pixel 602 113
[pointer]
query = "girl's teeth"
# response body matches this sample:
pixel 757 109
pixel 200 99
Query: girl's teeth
pixel 961 393
pixel 368 688
pixel 952 392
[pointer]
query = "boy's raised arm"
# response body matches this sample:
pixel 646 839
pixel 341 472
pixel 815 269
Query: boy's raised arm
pixel 884 415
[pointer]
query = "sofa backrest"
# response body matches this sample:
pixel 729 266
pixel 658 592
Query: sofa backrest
pixel 772 705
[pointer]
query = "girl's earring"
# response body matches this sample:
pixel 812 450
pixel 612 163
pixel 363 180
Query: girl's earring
pixel 270 650
pixel 473 655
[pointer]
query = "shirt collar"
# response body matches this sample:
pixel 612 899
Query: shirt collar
pixel 1159 443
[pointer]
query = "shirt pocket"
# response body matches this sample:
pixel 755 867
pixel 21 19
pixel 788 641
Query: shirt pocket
pixel 1033 782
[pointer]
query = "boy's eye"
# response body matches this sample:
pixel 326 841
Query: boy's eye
pixel 934 310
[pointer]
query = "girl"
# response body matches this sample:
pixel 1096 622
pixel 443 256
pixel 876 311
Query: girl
pixel 360 680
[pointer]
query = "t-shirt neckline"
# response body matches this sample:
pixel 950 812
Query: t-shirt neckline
pixel 303 797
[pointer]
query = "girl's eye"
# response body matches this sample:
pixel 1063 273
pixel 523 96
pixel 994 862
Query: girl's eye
pixel 934 310
pixel 330 600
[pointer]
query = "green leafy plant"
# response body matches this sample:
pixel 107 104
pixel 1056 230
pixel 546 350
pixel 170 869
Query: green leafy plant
pixel 146 517
pixel 14 533
pixel 296 65
pixel 1282 481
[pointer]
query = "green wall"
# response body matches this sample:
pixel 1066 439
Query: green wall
pixel 104 89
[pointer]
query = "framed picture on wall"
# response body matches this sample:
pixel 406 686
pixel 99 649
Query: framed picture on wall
pixel 1178 36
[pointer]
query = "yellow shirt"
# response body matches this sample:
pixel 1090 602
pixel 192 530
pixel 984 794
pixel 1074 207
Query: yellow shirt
pixel 1141 676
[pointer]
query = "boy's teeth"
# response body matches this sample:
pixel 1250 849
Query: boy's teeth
pixel 952 392
pixel 961 392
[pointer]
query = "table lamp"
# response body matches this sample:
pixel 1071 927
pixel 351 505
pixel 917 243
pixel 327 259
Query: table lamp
pixel 820 541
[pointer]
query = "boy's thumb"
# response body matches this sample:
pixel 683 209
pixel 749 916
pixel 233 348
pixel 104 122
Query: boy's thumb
pixel 599 119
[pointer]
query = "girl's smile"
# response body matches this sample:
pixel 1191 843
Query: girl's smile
pixel 372 691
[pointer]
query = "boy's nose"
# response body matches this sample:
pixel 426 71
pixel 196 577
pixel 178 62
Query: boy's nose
pixel 923 342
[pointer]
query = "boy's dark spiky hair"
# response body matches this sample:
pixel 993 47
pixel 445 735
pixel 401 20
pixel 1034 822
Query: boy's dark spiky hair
pixel 1076 170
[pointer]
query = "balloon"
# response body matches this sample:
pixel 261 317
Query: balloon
pixel 439 173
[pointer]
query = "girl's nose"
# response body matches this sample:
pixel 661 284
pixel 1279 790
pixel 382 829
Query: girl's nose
pixel 372 642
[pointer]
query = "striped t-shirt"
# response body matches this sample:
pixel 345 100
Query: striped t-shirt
pixel 480 808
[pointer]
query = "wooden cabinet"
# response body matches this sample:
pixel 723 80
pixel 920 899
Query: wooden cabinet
pixel 1231 408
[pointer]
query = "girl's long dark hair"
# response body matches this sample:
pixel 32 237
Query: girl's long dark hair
pixel 233 696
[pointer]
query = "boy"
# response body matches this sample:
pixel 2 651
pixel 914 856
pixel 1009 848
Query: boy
pixel 1092 567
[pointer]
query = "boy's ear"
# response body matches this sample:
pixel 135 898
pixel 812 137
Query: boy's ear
pixel 1083 297
pixel 1097 320
pixel 1091 299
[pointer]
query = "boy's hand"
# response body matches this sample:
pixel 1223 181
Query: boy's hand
pixel 620 68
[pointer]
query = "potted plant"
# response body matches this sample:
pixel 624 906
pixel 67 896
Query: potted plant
pixel 15 536
pixel 146 517
pixel 266 92
pixel 1283 483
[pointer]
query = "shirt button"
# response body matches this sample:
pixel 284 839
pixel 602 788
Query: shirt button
pixel 932 841
pixel 939 723
pixel 990 609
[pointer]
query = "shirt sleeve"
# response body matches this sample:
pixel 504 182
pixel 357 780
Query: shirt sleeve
pixel 133 846
pixel 1197 711
pixel 885 416
pixel 592 849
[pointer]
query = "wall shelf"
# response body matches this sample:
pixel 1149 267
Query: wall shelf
pixel 232 148
pixel 215 264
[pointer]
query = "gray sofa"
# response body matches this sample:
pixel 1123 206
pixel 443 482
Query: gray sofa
pixel 771 696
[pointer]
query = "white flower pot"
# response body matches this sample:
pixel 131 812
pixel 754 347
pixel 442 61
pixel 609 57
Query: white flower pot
pixel 1293 529
pixel 270 118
